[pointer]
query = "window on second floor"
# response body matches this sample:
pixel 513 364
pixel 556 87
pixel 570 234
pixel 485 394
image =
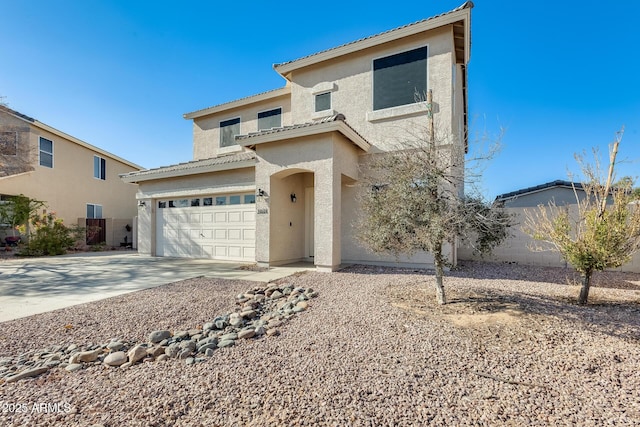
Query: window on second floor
pixel 99 168
pixel 270 119
pixel 94 211
pixel 228 130
pixel 46 152
pixel 323 101
pixel 398 78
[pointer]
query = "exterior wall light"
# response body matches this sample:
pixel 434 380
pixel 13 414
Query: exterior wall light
pixel 260 192
pixel 293 197
pixel 142 203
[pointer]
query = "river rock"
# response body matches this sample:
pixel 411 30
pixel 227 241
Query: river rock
pixel 137 353
pixel 115 359
pixel 156 336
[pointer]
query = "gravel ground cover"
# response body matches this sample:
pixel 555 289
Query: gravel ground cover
pixel 372 349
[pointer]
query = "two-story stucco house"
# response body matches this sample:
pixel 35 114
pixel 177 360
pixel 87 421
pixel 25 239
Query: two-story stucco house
pixel 274 175
pixel 75 179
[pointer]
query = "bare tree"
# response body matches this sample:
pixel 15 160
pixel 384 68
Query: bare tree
pixel 412 200
pixel 604 231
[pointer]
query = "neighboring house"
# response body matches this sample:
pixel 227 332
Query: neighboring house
pixel 75 179
pixel 517 248
pixel 274 175
pixel 559 192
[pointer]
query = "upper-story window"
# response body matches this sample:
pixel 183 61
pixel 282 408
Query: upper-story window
pixel 99 168
pixel 228 130
pixel 323 101
pixel 270 119
pixel 46 152
pixel 398 78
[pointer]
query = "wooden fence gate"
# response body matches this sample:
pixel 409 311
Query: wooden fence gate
pixel 96 231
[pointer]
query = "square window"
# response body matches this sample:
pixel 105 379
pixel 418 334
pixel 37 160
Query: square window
pixel 398 78
pixel 195 202
pixel 270 119
pixel 94 211
pixel 183 203
pixel 249 198
pixel 228 130
pixel 172 204
pixel 162 205
pixel 323 101
pixel 207 201
pixel 99 167
pixel 221 200
pixel 46 152
pixel 234 200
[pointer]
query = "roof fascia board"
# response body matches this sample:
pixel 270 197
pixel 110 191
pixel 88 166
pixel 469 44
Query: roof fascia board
pixel 143 176
pixel 430 24
pixel 286 90
pixel 317 129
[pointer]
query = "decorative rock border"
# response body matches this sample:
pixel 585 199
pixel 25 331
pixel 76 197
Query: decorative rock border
pixel 260 311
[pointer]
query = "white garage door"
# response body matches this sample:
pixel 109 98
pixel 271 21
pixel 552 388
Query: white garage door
pixel 225 232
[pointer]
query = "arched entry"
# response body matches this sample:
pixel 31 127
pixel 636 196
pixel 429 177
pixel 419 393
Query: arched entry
pixel 292 216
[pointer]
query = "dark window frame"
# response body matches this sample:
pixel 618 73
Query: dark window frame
pixel 227 139
pixel 266 118
pixel 47 153
pixel 398 77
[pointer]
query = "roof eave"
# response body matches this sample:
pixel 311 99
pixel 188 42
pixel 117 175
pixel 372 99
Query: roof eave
pixel 152 176
pixel 285 90
pixel 333 126
pixel 463 14
pixel 73 139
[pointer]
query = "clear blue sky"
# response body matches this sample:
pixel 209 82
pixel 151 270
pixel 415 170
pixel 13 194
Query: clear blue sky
pixel 561 77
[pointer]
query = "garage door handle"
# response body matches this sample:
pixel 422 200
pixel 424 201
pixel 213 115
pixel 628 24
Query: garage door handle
pixel 201 235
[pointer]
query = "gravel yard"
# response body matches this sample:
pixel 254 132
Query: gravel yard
pixel 373 348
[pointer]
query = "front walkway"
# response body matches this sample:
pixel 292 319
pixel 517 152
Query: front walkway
pixel 37 285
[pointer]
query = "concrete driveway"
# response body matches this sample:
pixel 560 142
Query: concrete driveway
pixel 37 285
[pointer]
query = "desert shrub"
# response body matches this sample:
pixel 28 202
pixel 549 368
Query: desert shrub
pixel 49 236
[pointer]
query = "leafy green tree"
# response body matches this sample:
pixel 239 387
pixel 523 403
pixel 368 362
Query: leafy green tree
pixel 411 200
pixel 604 231
pixel 17 211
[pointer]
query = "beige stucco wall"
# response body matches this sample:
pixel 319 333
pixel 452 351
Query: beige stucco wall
pixel 70 185
pixel 206 130
pixel 23 159
pixel 352 77
pixel 328 157
pixel 516 249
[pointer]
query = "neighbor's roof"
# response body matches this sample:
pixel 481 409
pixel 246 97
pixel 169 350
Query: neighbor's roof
pixel 234 161
pixel 66 136
pixel 394 34
pixel 537 188
pixel 332 123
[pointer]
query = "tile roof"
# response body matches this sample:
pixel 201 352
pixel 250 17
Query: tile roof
pixel 328 119
pixel 556 183
pixel 15 113
pixel 246 98
pixel 233 158
pixel 466 5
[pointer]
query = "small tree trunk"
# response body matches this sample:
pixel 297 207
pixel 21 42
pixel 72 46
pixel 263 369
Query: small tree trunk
pixel 439 277
pixel 584 291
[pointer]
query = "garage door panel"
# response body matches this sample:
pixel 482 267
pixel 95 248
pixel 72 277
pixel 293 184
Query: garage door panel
pixel 215 232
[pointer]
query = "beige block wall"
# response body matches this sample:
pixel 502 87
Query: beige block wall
pixel 516 249
pixel 206 130
pixel 70 185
